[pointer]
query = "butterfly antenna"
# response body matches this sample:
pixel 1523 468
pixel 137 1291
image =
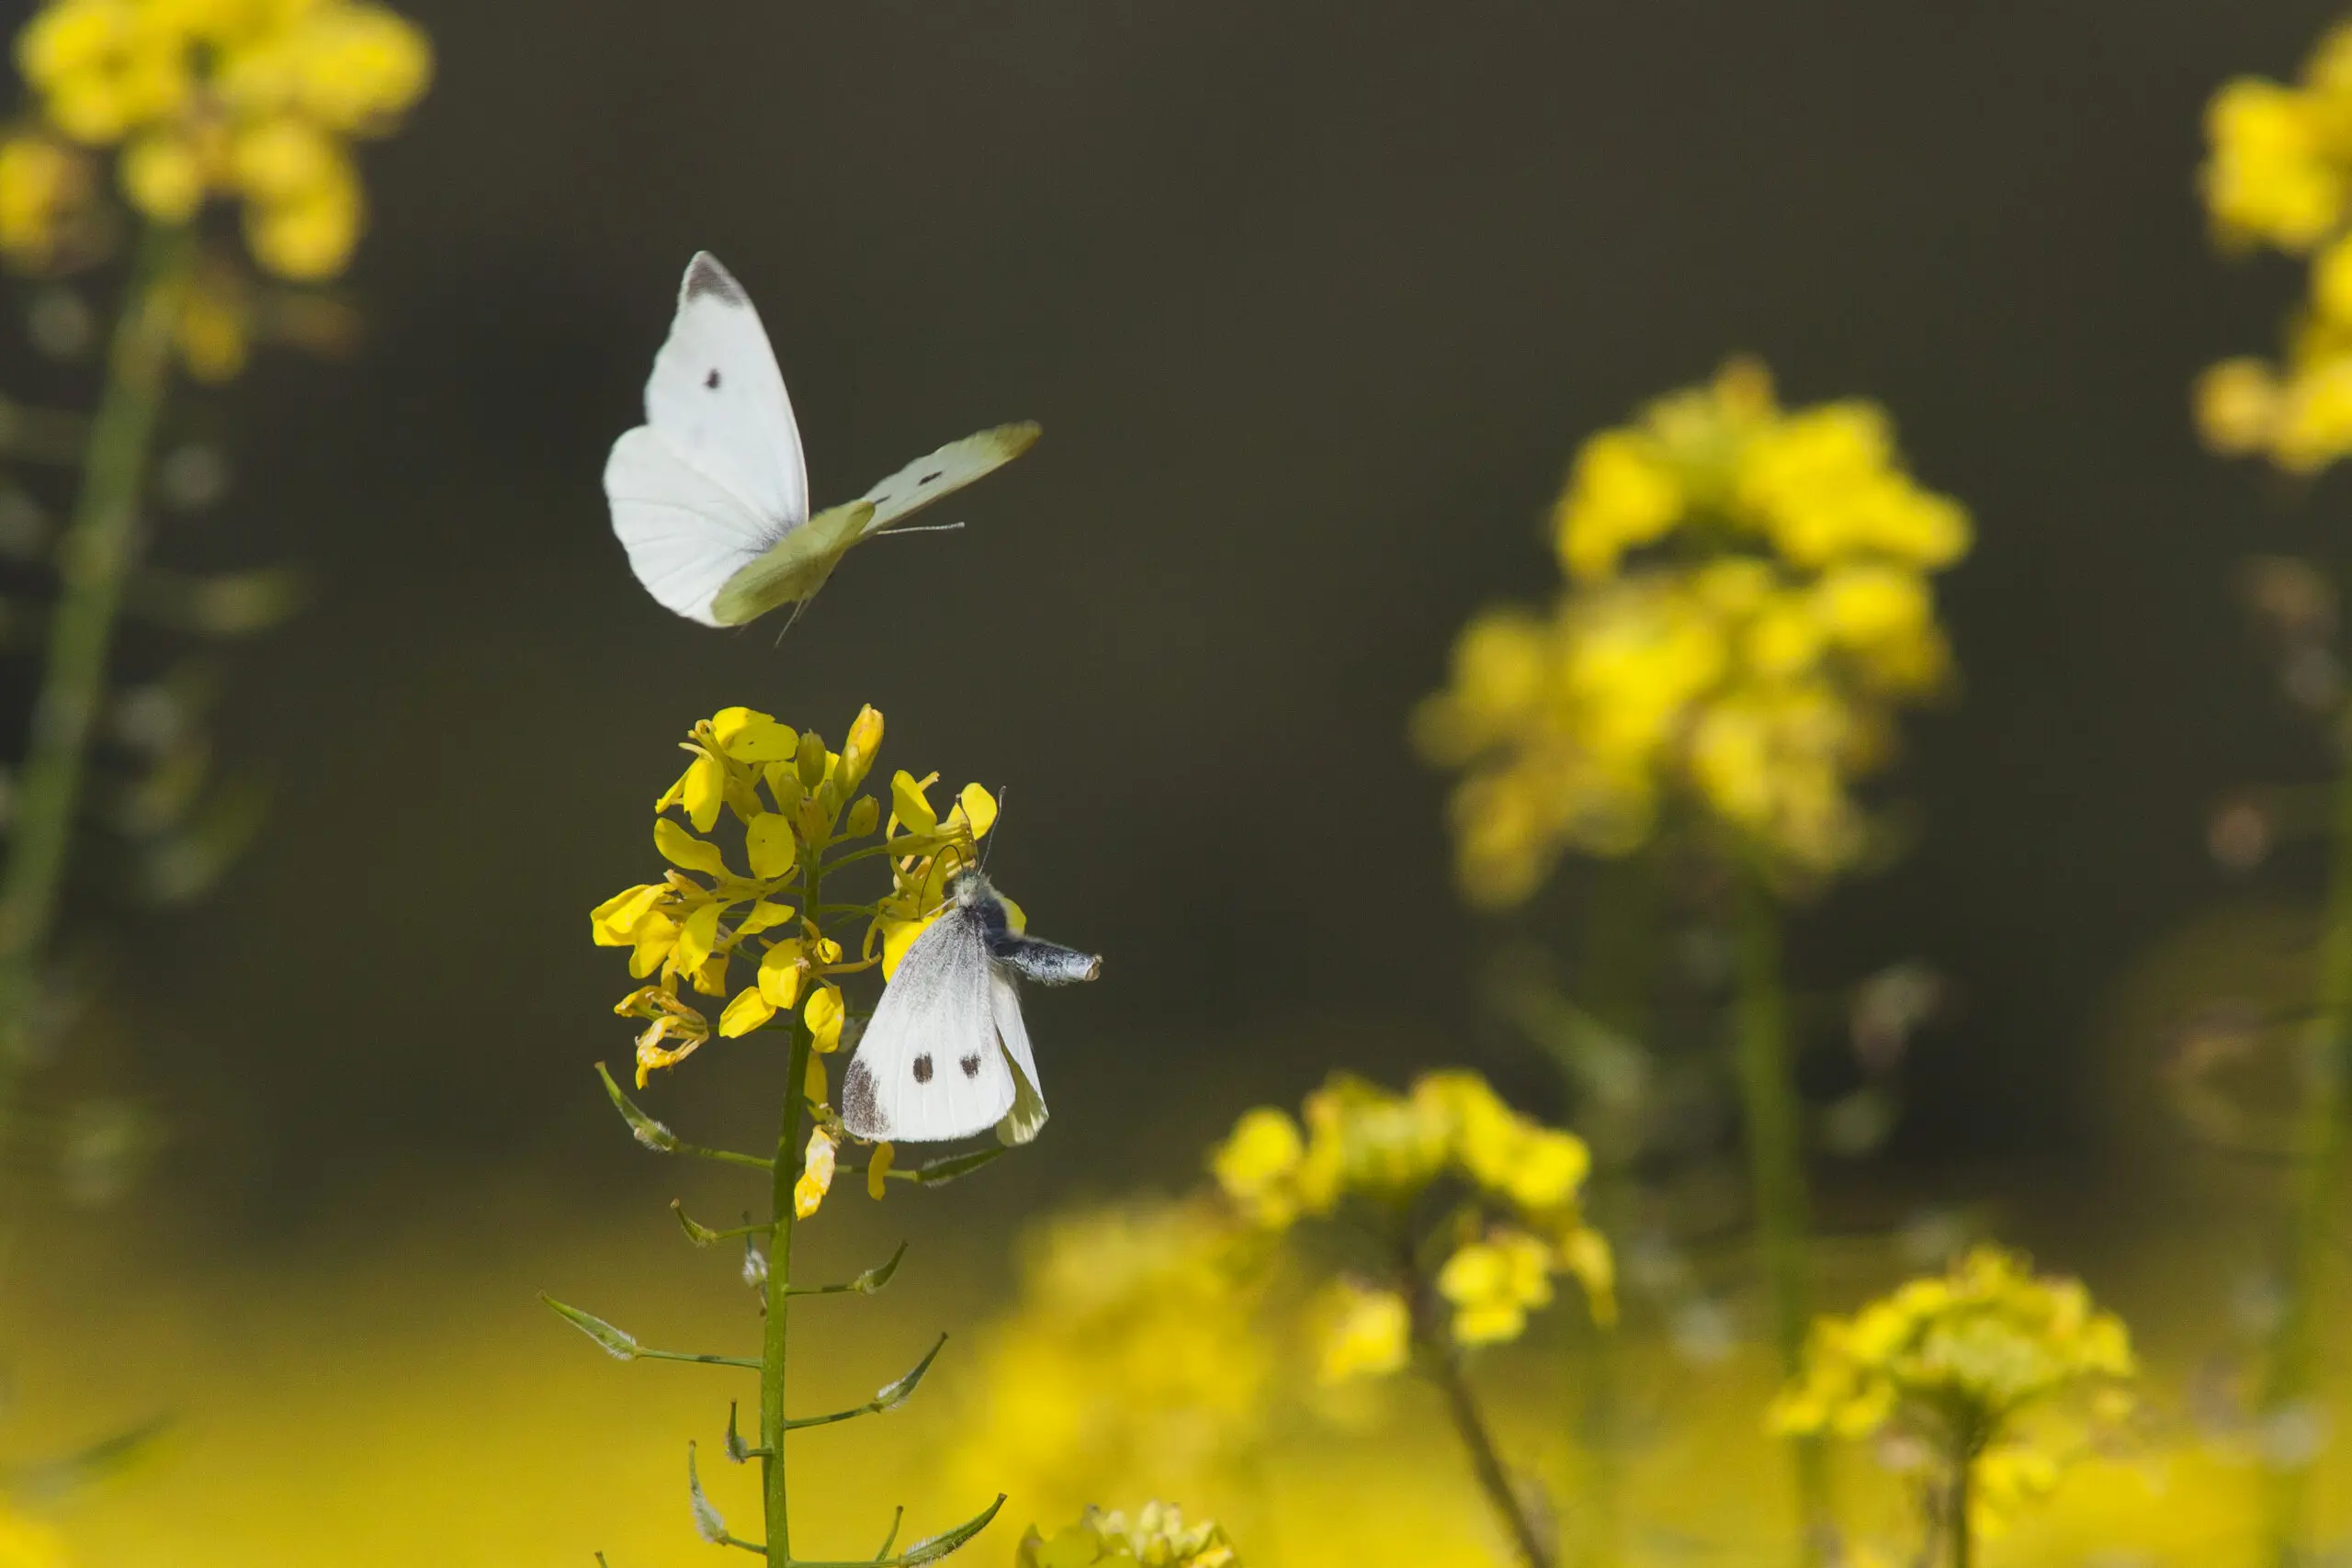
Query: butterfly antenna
pixel 990 848
pixel 920 528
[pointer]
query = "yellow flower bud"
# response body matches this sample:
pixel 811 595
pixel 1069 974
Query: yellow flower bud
pixel 858 750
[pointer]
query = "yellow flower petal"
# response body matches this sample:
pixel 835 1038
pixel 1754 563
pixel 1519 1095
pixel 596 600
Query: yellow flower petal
pixel 878 1171
pixel 682 849
pixel 748 1010
pixel 824 1016
pixel 769 840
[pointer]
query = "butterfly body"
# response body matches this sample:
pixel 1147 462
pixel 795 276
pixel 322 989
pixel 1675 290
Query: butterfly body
pixel 946 1054
pixel 709 496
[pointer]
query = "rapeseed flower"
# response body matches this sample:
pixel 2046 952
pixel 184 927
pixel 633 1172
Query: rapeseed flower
pixel 1747 605
pixel 1380 1155
pixel 1157 1537
pixel 2278 173
pixel 795 802
pixel 1134 1356
pixel 253 101
pixel 2004 1375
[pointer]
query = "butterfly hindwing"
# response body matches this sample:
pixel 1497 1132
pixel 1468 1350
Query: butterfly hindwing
pixel 929 1068
pixel 718 399
pixel 1027 1116
pixel 790 570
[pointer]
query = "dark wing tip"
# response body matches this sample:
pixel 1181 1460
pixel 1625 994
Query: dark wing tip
pixel 706 276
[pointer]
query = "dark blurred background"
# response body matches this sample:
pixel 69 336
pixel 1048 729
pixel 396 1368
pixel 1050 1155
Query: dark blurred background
pixel 1314 301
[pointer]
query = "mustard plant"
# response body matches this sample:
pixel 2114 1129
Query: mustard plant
pixel 1748 606
pixel 2278 174
pixel 1998 1377
pixel 199 114
pixel 1458 1212
pixel 780 948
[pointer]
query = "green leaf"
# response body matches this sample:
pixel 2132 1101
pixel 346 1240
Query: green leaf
pixel 874 1278
pixel 44 1480
pixel 893 1394
pixel 708 1522
pixel 648 1132
pixel 618 1343
pixel 944 1170
pixel 940 1545
pixel 794 567
pixel 736 1448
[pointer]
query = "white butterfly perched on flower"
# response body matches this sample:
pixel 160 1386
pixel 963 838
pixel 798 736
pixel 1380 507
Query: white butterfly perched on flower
pixel 946 1055
pixel 710 495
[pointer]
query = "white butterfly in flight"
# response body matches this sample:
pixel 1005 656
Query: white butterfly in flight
pixel 710 494
pixel 947 1054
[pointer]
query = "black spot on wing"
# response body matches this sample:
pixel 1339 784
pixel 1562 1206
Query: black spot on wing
pixel 706 276
pixel 930 475
pixel 857 1103
pixel 922 1068
pixel 711 380
pixel 971 1065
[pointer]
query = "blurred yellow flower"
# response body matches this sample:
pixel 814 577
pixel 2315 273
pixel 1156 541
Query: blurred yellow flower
pixel 253 100
pixel 1360 1331
pixel 1258 1166
pixel 45 187
pixel 1132 1358
pixel 1988 1364
pixel 1157 1537
pixel 2279 173
pixel 1493 1284
pixel 1748 606
pixel 1384 1150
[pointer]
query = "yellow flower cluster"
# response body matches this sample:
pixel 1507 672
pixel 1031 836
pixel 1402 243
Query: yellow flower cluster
pixel 1157 1537
pixel 795 800
pixel 1360 1141
pixel 255 100
pixel 2279 173
pixel 1133 1359
pixel 1989 1365
pixel 1747 605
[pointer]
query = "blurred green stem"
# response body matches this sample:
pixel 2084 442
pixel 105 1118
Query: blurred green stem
pixel 1963 1475
pixel 1470 1425
pixel 2290 1379
pixel 1776 1164
pixel 94 560
pixel 779 1306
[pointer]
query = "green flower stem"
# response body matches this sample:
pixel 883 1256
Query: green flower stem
pixel 2291 1377
pixel 1470 1425
pixel 94 557
pixel 1963 1474
pixel 1776 1166
pixel 772 1421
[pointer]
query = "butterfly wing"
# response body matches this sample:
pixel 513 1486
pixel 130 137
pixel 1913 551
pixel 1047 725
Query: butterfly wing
pixel 791 570
pixel 1028 1113
pixel 946 471
pixel 718 399
pixel 929 1069
pixel 687 535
